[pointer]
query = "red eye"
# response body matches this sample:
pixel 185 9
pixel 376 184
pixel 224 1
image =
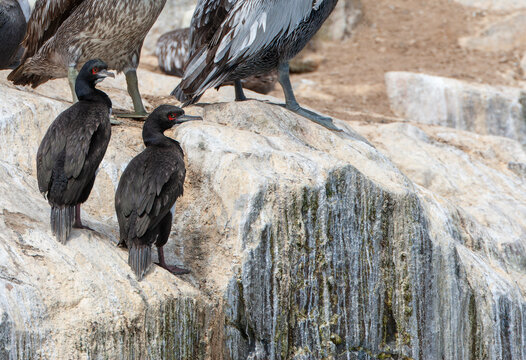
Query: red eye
pixel 171 117
pixel 95 70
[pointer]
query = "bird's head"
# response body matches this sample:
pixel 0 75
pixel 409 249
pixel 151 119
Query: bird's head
pixel 161 119
pixel 93 72
pixel 166 116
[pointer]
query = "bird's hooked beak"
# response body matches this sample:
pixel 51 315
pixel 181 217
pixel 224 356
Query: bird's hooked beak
pixel 103 74
pixel 184 118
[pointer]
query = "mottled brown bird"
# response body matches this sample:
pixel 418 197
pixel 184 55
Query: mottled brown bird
pixel 172 53
pixel 148 189
pixel 63 34
pixel 72 148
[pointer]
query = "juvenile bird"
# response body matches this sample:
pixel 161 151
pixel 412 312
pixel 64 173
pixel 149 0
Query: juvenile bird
pixel 147 191
pixel 62 34
pixel 72 149
pixel 233 39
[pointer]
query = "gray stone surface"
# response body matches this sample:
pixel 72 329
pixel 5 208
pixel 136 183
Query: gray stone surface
pixel 303 243
pixel 448 102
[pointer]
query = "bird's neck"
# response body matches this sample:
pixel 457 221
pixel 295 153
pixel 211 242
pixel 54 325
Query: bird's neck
pixel 154 136
pixel 88 92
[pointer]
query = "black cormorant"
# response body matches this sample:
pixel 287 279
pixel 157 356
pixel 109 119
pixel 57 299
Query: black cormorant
pixel 172 52
pixel 147 191
pixel 12 29
pixel 233 39
pixel 72 149
pixel 62 34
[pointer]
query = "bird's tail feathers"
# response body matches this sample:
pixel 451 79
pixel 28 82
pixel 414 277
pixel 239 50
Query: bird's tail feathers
pixel 25 75
pixel 62 218
pixel 199 76
pixel 140 259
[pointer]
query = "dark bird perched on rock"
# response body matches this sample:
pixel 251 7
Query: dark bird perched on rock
pixel 12 29
pixel 72 149
pixel 172 52
pixel 233 39
pixel 62 34
pixel 148 188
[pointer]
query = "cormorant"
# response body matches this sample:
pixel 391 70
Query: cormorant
pixel 72 149
pixel 62 34
pixel 12 29
pixel 172 52
pixel 148 188
pixel 233 39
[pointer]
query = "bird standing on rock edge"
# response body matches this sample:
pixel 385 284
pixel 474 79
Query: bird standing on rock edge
pixel 72 148
pixel 233 39
pixel 12 29
pixel 147 191
pixel 64 33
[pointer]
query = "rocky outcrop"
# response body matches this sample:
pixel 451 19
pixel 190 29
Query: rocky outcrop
pixel 303 243
pixel 447 102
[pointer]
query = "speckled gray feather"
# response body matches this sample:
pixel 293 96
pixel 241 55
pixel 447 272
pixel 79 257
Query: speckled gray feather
pixel 253 38
pixel 173 51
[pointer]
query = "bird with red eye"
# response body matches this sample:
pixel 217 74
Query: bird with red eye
pixel 147 191
pixel 72 148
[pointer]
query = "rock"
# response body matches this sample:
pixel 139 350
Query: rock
pixel 303 243
pixel 502 35
pixel 441 101
pixel 496 5
pixel 346 15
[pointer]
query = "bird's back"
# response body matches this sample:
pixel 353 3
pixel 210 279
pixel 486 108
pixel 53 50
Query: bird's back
pixel 71 151
pixel 148 188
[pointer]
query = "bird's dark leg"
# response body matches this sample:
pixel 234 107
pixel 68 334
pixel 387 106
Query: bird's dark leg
pixel 164 228
pixel 240 95
pixel 171 268
pixel 72 77
pixel 292 104
pixel 133 90
pixel 78 222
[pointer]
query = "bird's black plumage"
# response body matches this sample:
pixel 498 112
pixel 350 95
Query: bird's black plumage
pixel 12 29
pixel 233 39
pixel 148 189
pixel 72 149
